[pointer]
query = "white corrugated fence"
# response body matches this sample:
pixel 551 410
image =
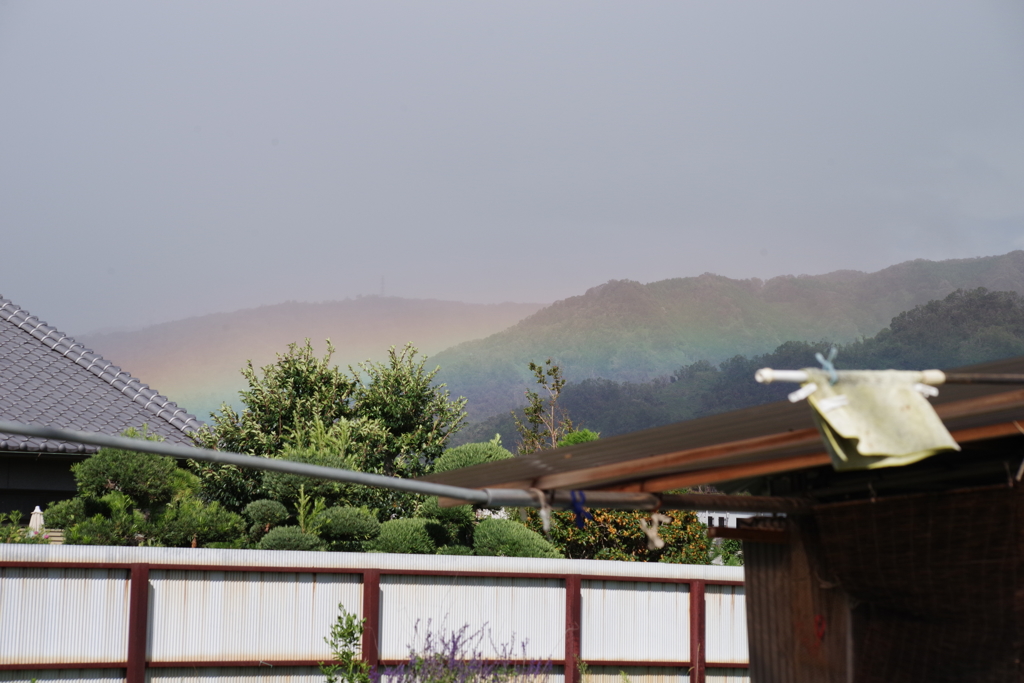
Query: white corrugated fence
pixel 199 615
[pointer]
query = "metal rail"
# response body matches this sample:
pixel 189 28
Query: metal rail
pixel 497 497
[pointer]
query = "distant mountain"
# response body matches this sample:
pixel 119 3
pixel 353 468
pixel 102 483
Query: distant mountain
pixel 196 361
pixel 627 331
pixel 965 328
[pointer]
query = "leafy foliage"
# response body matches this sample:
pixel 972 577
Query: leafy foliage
pixel 578 437
pixel 508 538
pixel 266 513
pixel 544 422
pixel 470 454
pixel 348 529
pixel 344 639
pixel 387 418
pixel 148 480
pixel 455 550
pixel 289 538
pixel 129 498
pixel 66 513
pixel 616 535
pixel 457 521
pixel 413 535
pixel 418 417
pixel 11 530
pixel 123 524
pixel 193 521
pixel 295 390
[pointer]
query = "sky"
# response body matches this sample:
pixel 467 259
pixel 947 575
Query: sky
pixel 162 160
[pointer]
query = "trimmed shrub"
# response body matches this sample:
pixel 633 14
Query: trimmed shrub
pixel 64 514
pixel 347 529
pixel 96 530
pixel 191 519
pixel 457 521
pixel 470 454
pixel 266 513
pixel 145 478
pixel 454 550
pixel 579 436
pixel 412 535
pixel 290 538
pixel 286 487
pixel 507 538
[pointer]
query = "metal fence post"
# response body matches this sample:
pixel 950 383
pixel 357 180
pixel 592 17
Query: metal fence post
pixel 138 623
pixel 698 643
pixel 371 617
pixel 573 608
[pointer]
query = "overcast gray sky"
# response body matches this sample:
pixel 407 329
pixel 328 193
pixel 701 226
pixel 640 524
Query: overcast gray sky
pixel 162 160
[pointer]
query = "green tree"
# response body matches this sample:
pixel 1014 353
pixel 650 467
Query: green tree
pixel 617 535
pixel 293 392
pixel 544 422
pixel 418 417
pixel 148 480
pixel 345 638
pixel 387 418
pixel 129 498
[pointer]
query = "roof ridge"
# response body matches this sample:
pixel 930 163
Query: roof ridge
pixel 150 399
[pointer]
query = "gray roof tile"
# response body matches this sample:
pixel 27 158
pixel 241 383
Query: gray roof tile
pixel 46 377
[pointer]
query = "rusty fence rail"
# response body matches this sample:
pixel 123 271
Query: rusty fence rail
pixel 157 614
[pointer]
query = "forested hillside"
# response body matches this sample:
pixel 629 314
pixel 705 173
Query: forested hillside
pixel 627 331
pixel 965 327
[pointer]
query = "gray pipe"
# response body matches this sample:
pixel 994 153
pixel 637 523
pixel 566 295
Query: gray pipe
pixel 493 498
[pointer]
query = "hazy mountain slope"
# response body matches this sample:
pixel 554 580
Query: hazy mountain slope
pixel 965 328
pixel 624 330
pixel 196 361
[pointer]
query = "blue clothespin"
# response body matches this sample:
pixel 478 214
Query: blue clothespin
pixel 578 498
pixel 827 366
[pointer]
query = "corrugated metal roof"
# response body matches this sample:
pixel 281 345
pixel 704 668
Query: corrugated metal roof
pixel 769 433
pixel 315 560
pixel 46 377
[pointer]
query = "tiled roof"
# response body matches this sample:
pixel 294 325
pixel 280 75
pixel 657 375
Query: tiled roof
pixel 47 378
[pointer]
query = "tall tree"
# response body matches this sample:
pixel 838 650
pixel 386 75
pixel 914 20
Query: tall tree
pixel 396 420
pixel 544 421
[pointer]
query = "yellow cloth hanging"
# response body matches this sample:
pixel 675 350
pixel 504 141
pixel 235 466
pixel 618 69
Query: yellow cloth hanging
pixel 876 418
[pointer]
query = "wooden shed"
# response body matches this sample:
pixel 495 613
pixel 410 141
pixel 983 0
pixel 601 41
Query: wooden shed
pixel 895 574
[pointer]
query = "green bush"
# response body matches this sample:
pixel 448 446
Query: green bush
pixel 347 529
pixel 149 480
pixel 266 513
pixel 455 550
pixel 96 530
pixel 192 519
pixel 411 535
pixel 507 538
pixel 290 538
pixel 470 454
pixel 577 437
pixel 65 513
pixel 285 487
pixel 457 521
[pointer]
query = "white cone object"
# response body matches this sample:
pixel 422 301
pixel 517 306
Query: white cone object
pixel 35 524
